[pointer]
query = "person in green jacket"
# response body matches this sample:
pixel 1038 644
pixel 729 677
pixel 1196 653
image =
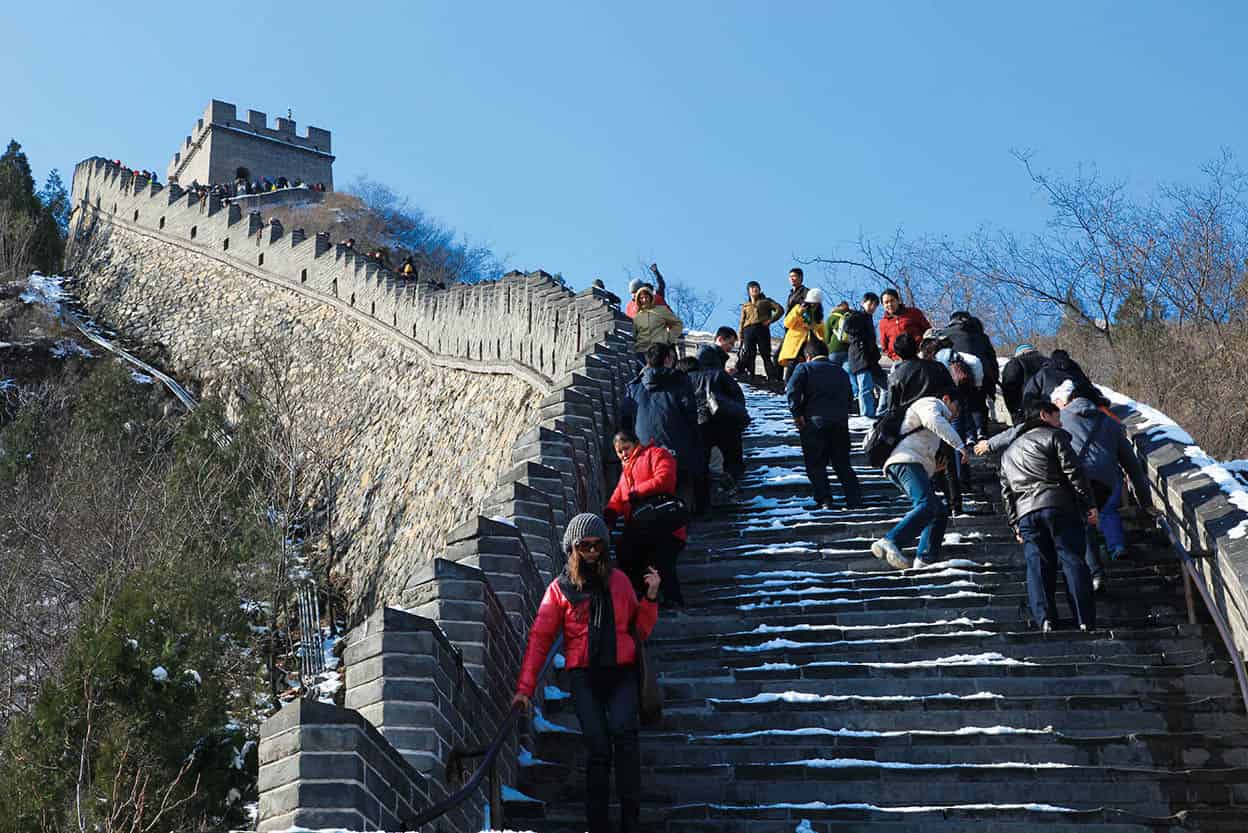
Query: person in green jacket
pixel 838 344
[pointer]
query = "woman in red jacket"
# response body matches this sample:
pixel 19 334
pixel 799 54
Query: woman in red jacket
pixel 649 471
pixel 598 612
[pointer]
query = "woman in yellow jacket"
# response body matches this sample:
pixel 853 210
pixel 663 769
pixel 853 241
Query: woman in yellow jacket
pixel 653 324
pixel 804 320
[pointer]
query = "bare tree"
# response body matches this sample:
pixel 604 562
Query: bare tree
pixel 17 237
pixel 693 307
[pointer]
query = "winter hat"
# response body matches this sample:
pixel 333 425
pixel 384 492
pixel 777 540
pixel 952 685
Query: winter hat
pixel 813 296
pixel 634 285
pixel 586 525
pixel 1024 348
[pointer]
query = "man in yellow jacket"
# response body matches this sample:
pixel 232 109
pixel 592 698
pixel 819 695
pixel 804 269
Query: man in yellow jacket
pixel 653 324
pixel 758 313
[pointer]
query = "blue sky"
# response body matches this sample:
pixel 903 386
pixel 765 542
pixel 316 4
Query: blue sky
pixel 720 139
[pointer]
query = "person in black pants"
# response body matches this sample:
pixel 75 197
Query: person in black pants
pixel 819 397
pixel 758 313
pixel 595 607
pixel 1047 499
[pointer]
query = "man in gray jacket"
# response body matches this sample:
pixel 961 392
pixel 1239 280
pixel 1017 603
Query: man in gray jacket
pixel 1047 498
pixel 1104 454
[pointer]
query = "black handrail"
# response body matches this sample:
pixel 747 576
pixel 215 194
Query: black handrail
pixel 1192 576
pixel 491 754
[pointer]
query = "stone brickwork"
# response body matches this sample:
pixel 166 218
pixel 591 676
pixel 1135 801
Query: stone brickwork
pixel 433 387
pixel 221 144
pixel 481 419
pixel 1200 514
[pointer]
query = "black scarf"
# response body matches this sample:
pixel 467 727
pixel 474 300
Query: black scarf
pixel 601 617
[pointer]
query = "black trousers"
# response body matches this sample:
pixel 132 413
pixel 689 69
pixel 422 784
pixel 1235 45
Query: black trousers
pixel 756 339
pixel 637 553
pixel 606 702
pixel 823 442
pixel 728 440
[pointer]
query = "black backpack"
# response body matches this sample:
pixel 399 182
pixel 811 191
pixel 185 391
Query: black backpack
pixel 884 437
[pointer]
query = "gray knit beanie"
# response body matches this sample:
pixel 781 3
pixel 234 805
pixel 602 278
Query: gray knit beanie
pixel 586 525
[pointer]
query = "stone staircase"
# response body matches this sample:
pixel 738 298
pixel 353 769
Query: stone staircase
pixel 810 687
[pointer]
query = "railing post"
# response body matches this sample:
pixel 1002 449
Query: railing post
pixel 1189 595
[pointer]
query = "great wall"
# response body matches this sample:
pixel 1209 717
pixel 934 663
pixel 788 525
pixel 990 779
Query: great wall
pixel 480 418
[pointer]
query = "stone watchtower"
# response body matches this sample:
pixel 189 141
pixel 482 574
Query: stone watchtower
pixel 222 148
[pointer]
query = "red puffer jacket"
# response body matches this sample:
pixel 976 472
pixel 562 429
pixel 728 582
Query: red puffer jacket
pixel 907 320
pixel 650 471
pixel 556 613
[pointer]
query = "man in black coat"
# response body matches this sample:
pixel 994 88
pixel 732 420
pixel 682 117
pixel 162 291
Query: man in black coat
pixel 716 355
pixel 966 335
pixel 819 397
pixel 914 377
pixel 661 409
pixel 1058 369
pixel 863 366
pixel 1018 371
pixel 1047 498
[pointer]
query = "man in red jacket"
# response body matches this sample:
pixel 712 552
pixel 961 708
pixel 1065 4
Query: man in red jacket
pixel 899 318
pixel 595 607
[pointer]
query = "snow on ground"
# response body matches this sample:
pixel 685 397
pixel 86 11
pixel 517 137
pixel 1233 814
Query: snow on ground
pixel 876 808
pixel 807 697
pixel 961 594
pixel 513 794
pixel 876 733
pixel 847 763
pixel 959 660
pixel 541 724
pixel 781 644
pixel 1158 426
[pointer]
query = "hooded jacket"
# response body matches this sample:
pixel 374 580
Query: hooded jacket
pixel 655 325
pixel 796 331
pixel 1102 446
pixel 968 337
pixel 762 310
pixel 864 353
pixel 1040 470
pixel 906 320
pixel 838 342
pixel 665 413
pixel 563 608
pixel 927 421
pixel 819 389
pixel 1017 373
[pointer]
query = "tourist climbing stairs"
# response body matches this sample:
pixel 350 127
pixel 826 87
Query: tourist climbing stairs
pixel 809 687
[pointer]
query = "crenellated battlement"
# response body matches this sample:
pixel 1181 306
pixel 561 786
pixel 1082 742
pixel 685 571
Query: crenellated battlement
pixel 525 324
pixel 220 144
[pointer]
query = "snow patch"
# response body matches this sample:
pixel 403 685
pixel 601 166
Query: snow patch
pixel 848 763
pixel 513 794
pixel 807 697
pixel 159 674
pixel 965 731
pixel 541 724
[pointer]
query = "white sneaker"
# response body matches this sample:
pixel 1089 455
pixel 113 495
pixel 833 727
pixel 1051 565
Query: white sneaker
pixel 919 563
pixel 886 550
pixel 1047 627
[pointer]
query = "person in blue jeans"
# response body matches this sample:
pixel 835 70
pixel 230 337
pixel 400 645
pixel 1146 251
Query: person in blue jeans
pixel 927 423
pixel 1104 453
pixel 1047 499
pixel 863 364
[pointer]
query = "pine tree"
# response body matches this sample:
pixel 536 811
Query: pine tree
pixel 55 199
pixel 17 185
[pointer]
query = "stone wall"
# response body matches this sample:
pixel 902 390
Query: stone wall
pixel 1211 527
pixel 422 393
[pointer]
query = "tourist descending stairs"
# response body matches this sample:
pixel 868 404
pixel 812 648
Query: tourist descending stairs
pixel 811 687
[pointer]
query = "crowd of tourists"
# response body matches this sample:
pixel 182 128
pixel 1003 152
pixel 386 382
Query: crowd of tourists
pixel 1061 472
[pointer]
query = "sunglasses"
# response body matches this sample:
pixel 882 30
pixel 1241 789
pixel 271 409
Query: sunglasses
pixel 588 546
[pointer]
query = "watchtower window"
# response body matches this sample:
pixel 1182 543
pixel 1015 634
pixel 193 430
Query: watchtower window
pixel 136 215
pixel 303 276
pixel 352 299
pixel 260 260
pixel 225 244
pixel 372 310
pixel 162 222
pixel 242 173
pixel 194 229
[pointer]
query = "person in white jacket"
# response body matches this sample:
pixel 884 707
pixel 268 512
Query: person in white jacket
pixel 928 422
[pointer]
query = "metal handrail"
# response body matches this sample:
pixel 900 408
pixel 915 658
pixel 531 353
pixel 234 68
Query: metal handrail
pixel 491 754
pixel 1192 576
